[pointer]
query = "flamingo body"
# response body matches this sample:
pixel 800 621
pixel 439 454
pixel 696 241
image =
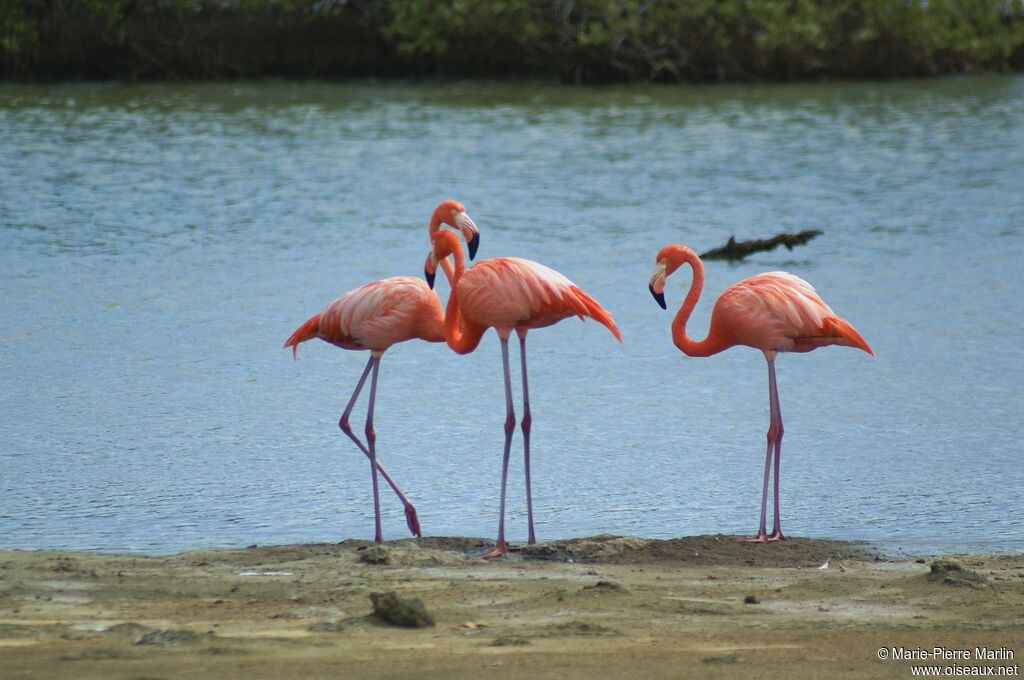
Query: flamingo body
pixel 376 316
pixel 773 312
pixel 779 312
pixel 508 293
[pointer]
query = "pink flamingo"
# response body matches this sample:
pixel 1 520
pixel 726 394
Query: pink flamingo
pixel 508 293
pixel 773 312
pixel 376 316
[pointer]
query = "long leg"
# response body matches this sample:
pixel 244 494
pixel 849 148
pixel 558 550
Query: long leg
pixel 371 441
pixel 343 423
pixel 762 526
pixel 773 444
pixel 779 431
pixel 510 425
pixel 411 518
pixel 527 422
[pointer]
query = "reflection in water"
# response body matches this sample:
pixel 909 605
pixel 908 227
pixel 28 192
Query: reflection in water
pixel 160 241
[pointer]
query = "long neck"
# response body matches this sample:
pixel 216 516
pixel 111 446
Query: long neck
pixel 462 337
pixel 436 324
pixel 694 348
pixel 432 325
pixel 449 272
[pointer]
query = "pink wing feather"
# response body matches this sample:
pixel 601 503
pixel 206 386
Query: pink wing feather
pixel 510 292
pixel 374 316
pixel 778 311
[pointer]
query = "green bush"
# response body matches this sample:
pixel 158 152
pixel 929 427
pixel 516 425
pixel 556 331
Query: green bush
pixel 575 40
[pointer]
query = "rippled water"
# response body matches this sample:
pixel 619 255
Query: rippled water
pixel 159 242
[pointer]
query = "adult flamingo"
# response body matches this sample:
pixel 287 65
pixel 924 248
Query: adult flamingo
pixel 773 312
pixel 376 316
pixel 508 293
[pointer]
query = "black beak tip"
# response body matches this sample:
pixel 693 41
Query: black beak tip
pixel 474 243
pixel 658 297
pixel 430 278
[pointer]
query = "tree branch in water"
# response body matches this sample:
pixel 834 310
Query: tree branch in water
pixel 737 250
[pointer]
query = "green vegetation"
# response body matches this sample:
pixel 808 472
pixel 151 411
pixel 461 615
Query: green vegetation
pixel 573 40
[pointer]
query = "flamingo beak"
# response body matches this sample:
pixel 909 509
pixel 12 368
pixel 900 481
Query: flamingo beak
pixel 657 284
pixel 659 297
pixel 430 270
pixel 469 230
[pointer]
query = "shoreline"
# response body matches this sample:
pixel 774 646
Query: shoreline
pixel 600 606
pixel 894 549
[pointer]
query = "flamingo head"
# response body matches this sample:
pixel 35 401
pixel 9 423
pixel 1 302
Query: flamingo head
pixel 445 243
pixel 667 261
pixel 452 214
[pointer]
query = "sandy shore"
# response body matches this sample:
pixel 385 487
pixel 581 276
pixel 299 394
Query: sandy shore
pixel 602 607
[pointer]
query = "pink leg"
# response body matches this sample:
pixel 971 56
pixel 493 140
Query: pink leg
pixel 762 532
pixel 410 512
pixel 371 441
pixel 510 426
pixel 774 444
pixel 776 534
pixel 527 422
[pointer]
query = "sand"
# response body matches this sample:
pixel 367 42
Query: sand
pixel 600 607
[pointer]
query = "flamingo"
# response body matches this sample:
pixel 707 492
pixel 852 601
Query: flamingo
pixel 773 312
pixel 508 293
pixel 376 316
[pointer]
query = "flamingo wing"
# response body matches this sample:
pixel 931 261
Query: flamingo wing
pixel 374 316
pixel 510 292
pixel 778 311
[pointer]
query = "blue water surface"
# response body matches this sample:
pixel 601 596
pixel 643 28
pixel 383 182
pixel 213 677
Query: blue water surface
pixel 159 242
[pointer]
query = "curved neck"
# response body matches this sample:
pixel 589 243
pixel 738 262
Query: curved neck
pixel 432 325
pixel 449 272
pixel 434 226
pixel 463 338
pixel 694 348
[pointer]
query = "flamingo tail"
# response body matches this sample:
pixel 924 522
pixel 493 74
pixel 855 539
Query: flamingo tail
pixel 306 331
pixel 839 327
pixel 590 307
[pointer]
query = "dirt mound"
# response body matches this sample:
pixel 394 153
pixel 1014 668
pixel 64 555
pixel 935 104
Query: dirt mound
pixel 719 550
pixel 710 550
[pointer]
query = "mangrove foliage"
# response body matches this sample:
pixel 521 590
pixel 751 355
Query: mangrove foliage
pixel 570 40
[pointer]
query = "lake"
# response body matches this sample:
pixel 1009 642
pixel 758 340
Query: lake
pixel 160 241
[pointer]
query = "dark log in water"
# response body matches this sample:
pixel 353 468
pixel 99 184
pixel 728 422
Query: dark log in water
pixel 737 250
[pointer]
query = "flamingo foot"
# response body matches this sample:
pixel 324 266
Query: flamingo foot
pixel 497 551
pixel 777 536
pixel 412 521
pixel 764 538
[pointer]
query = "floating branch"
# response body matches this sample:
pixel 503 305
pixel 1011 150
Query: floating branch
pixel 737 250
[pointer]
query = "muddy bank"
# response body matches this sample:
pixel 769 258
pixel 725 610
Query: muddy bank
pixel 602 606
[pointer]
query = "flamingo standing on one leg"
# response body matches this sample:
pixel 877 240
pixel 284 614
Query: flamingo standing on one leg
pixel 508 293
pixel 376 316
pixel 773 312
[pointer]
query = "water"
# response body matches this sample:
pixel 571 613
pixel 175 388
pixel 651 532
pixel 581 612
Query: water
pixel 159 242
